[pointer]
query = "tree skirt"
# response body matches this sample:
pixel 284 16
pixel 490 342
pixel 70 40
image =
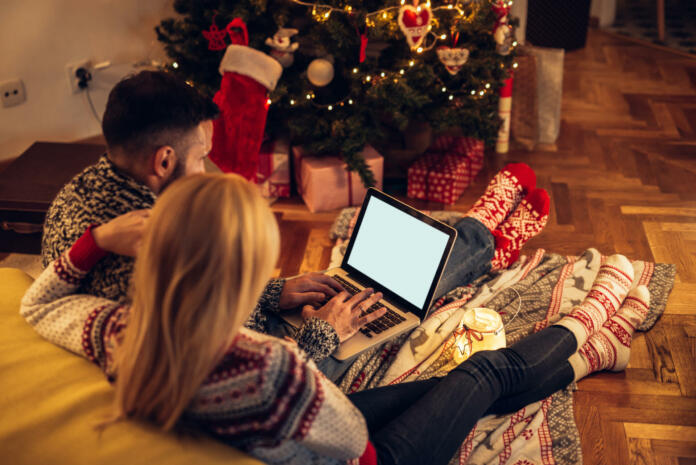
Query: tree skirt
pixel 533 293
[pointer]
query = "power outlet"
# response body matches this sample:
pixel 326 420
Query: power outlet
pixel 71 69
pixel 12 93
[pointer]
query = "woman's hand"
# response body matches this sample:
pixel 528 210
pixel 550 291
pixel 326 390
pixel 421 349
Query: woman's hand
pixel 122 235
pixel 343 312
pixel 310 288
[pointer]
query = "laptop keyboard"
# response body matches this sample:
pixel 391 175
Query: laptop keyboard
pixel 388 320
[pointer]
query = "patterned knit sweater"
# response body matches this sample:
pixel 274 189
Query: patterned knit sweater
pixel 264 397
pixel 100 193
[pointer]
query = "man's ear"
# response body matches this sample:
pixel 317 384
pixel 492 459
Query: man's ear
pixel 164 163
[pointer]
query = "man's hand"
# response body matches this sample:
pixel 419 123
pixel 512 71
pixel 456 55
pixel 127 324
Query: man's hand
pixel 122 235
pixel 308 289
pixel 343 312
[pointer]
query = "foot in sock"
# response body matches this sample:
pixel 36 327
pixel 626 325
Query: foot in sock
pixel 608 291
pixel 502 194
pixel 610 348
pixel 528 220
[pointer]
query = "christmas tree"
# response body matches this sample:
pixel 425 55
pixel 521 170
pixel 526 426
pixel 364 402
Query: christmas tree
pixel 358 72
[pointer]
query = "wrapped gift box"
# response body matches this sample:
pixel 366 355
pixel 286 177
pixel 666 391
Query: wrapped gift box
pixel 448 168
pixel 325 182
pixel 273 176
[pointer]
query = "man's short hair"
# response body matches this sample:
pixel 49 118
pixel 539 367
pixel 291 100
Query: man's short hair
pixel 151 109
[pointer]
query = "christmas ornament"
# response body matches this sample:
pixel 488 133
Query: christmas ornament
pixel 502 31
pixel 453 58
pixel 414 21
pixel 247 76
pixel 282 48
pixel 320 72
pixel 216 38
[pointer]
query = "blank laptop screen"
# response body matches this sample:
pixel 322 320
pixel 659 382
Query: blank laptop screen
pixel 398 251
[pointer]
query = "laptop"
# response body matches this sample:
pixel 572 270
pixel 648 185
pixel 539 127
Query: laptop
pixel 399 251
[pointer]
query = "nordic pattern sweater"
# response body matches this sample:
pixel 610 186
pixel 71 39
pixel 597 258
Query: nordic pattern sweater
pixel 100 193
pixel 264 397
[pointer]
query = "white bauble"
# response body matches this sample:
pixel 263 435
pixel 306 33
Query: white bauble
pixel 320 72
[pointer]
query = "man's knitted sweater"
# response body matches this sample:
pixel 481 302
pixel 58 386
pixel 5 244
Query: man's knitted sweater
pixel 100 193
pixel 264 396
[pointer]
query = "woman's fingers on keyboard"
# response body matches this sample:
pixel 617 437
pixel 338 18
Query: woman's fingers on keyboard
pixel 360 296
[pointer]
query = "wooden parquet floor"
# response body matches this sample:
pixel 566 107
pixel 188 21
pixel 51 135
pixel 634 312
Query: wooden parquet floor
pixel 622 179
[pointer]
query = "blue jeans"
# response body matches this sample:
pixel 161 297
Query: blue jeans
pixel 426 421
pixel 470 258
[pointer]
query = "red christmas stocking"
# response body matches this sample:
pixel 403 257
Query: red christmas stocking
pixel 247 76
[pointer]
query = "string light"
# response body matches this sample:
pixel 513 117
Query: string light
pixel 268 101
pixel 350 101
pixel 482 92
pixel 419 50
pixel 330 107
pixel 384 15
pixel 355 70
pixel 175 65
pixel 488 85
pixel 514 44
pixel 309 96
pixel 411 63
pixel 451 97
pixel 368 78
pixel 382 74
pixel 401 71
pixel 515 65
pixel 473 92
pixel 443 36
pixel 444 89
pixel 292 102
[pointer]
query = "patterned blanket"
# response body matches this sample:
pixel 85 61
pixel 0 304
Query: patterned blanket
pixel 532 294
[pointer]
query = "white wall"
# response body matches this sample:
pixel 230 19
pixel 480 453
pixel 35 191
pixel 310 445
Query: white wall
pixel 39 37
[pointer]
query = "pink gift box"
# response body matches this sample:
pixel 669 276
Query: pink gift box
pixel 325 182
pixel 273 175
pixel 443 173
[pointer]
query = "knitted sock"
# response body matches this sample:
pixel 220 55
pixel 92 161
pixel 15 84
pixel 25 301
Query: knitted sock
pixel 608 291
pixel 528 219
pixel 610 348
pixel 502 194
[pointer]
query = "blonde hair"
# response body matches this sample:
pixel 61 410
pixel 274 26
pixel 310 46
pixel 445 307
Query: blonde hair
pixel 210 248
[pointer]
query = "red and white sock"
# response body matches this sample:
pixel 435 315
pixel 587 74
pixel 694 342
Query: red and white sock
pixel 503 194
pixel 610 348
pixel 528 220
pixel 608 291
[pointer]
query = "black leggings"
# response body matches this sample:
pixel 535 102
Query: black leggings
pixel 426 421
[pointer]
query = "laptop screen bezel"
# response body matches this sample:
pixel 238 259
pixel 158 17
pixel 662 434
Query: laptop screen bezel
pixel 369 282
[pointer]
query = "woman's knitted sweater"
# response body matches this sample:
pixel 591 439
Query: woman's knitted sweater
pixel 264 397
pixel 102 192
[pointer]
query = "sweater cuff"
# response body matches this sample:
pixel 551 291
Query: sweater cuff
pixel 317 338
pixel 85 253
pixel 270 298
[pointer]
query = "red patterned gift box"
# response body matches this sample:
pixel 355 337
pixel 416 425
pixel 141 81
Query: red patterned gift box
pixel 449 167
pixel 273 175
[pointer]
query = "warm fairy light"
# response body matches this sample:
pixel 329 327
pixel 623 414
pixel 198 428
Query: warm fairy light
pixel 444 89
pixel 418 9
pixel 355 70
pixel 482 92
pixel 443 36
pixel 190 83
pixel 411 63
pixel 515 65
pixel 514 43
pixel 175 65
pixel 268 101
pixel 384 15
pixel 349 8
pixel 330 107
pixel 309 96
pixel 401 71
pixel 449 7
pixel 473 92
pixel 451 97
pixel 488 85
pixel 427 4
pixel 419 50
pixel 403 2
pixel 368 78
pixel 382 74
pixel 350 101
pixel 327 14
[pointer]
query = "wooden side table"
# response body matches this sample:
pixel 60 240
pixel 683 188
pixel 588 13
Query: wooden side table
pixel 29 185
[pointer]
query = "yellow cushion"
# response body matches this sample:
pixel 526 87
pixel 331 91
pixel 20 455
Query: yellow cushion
pixel 50 400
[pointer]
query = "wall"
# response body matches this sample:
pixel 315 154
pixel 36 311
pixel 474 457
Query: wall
pixel 39 37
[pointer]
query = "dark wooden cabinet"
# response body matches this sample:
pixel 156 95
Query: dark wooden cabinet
pixel 29 185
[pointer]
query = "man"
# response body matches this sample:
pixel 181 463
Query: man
pixel 158 129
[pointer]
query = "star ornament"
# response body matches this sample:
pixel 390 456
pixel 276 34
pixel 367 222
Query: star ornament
pixel 414 22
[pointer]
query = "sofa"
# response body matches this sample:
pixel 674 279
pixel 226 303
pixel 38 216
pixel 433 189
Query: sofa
pixel 50 401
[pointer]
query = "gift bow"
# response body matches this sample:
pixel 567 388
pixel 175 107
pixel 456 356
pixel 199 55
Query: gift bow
pixel 469 334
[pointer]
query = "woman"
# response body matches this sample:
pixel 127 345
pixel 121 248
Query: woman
pixel 179 355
